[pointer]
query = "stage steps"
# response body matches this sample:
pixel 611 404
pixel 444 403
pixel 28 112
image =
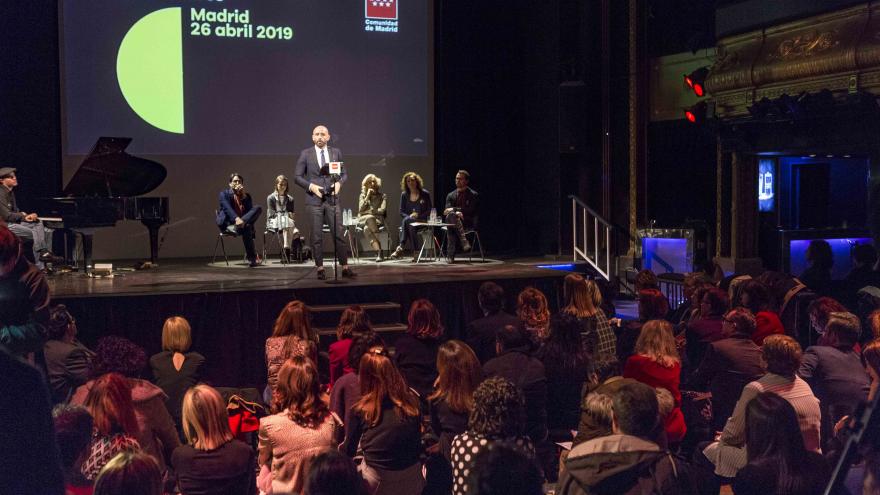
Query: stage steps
pixel 384 316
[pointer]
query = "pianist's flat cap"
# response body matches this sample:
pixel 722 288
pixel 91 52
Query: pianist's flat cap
pixel 4 171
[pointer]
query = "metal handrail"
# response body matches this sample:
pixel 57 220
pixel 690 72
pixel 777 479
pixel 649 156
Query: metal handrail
pixel 588 250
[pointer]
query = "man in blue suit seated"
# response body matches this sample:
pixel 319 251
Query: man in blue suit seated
pixel 237 215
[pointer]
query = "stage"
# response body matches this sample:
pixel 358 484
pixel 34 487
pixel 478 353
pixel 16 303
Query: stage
pixel 232 308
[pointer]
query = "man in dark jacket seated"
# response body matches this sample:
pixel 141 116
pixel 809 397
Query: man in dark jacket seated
pixel 237 215
pixel 461 211
pixel 481 332
pixel 729 365
pixel 627 461
pixel 515 363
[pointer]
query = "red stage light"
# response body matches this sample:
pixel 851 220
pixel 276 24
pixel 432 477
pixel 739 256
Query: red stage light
pixel 690 116
pixel 698 89
pixel 696 79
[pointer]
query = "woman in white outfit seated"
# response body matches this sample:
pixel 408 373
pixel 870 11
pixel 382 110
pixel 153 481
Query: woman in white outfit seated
pixel 279 217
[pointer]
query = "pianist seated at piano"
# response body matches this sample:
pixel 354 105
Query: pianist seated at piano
pixel 26 226
pixel 279 215
pixel 237 215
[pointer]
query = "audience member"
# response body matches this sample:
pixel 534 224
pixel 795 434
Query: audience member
pixel 497 416
pixel 115 425
pixel 729 365
pixel 347 390
pixel 757 298
pixel 67 360
pixel 73 434
pixel 516 364
pixel 583 300
pixel 706 327
pixel 656 363
pixel 504 469
pixel 174 369
pixel 155 432
pixel 595 420
pixel 653 305
pixel 567 366
pixel 416 351
pixel 450 405
pixel 353 319
pixel 864 257
pixel 639 464
pixel 646 279
pixel 819 310
pixel 24 293
pixel 386 427
pixel 871 355
pixel 873 324
pixel 778 463
pixel 31 465
pixel 130 473
pixel 291 336
pixel 333 473
pixel 212 461
pixel 302 428
pixel 533 314
pixel 871 482
pixel 692 281
pixel 835 372
pixel 783 357
pixel 481 332
pixel 820 259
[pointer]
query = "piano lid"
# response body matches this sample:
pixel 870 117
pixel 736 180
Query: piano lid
pixel 108 171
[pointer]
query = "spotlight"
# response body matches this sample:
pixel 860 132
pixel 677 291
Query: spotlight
pixel 697 113
pixel 696 79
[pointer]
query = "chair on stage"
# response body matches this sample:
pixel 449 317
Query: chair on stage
pixel 473 237
pixel 222 245
pixel 277 236
pixel 383 236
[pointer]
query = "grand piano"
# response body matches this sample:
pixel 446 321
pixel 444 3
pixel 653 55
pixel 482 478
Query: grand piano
pixel 106 188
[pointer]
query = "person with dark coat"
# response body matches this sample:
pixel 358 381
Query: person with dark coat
pixel 567 366
pixel 835 372
pixel 312 175
pixel 707 327
pixel 24 292
pixel 67 360
pixel 628 461
pixel 461 212
pixel 481 332
pixel 416 351
pixel 174 369
pixel 820 259
pixel 415 206
pixel 516 364
pixel 32 465
pixel 237 215
pixel 729 365
pixel 756 296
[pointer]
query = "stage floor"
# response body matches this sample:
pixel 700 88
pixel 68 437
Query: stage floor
pixel 187 276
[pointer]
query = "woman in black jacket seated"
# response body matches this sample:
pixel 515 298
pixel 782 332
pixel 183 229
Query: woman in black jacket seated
pixel 416 351
pixel 174 369
pixel 778 462
pixel 415 205
pixel 452 400
pixel 567 366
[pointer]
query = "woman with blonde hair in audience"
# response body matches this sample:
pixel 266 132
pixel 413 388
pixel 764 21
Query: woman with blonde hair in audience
pixel 130 473
pixel 115 428
pixel 372 211
pixel 532 311
pixel 353 320
pixel 174 369
pixel 385 427
pixel 583 299
pixel 212 461
pixel 292 335
pixel 303 428
pixel 656 363
pixel 459 373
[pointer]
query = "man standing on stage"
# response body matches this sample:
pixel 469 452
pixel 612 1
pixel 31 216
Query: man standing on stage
pixel 461 211
pixel 322 192
pixel 25 225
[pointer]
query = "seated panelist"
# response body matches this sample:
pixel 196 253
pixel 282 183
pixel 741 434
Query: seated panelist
pixel 237 215
pixel 415 206
pixel 461 212
pixel 24 225
pixel 372 211
pixel 279 214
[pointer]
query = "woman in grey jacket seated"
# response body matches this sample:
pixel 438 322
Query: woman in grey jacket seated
pixel 371 211
pixel 279 217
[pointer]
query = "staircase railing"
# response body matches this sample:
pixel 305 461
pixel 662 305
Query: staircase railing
pixel 592 237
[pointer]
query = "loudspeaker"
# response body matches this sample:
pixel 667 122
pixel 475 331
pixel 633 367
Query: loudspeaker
pixel 572 117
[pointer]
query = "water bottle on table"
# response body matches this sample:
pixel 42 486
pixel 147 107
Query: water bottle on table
pixel 433 217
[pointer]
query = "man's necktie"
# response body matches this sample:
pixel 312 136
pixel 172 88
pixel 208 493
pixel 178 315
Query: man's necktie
pixel 323 158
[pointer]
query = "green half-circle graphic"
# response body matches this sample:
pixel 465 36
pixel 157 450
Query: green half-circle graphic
pixel 149 67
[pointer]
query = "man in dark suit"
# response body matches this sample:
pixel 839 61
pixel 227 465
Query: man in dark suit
pixel 322 192
pixel 729 364
pixel 481 332
pixel 461 211
pixel 237 215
